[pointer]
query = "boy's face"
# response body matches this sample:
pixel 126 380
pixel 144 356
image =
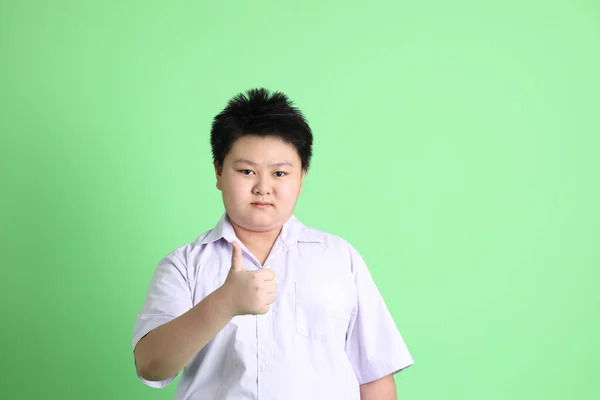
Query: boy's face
pixel 260 170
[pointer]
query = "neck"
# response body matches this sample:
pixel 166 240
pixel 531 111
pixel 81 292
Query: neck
pixel 256 240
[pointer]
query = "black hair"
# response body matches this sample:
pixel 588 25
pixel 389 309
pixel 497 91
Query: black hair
pixel 260 113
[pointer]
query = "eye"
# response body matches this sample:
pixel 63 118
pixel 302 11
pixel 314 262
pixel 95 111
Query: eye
pixel 246 171
pixel 280 172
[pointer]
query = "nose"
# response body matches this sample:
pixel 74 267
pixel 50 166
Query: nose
pixel 262 187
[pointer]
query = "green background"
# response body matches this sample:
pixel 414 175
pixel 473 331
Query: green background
pixel 456 147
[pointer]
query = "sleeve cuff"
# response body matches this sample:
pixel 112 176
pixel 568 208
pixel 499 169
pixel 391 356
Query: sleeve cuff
pixel 384 370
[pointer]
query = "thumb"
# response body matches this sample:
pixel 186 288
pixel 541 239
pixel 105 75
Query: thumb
pixel 236 257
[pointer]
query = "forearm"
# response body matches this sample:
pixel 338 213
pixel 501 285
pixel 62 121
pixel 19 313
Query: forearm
pixel 381 389
pixel 170 347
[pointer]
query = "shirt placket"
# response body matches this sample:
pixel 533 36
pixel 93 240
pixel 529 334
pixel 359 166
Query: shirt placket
pixel 264 334
pixel 264 329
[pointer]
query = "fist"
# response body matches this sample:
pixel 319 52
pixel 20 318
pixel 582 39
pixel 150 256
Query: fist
pixel 248 292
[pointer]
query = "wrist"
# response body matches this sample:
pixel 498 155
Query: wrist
pixel 222 302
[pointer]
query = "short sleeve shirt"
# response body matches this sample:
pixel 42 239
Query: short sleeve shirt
pixel 327 332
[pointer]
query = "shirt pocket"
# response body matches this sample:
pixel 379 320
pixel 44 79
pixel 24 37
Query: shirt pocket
pixel 312 318
pixel 322 310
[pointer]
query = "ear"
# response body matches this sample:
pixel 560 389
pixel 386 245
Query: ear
pixel 302 180
pixel 218 175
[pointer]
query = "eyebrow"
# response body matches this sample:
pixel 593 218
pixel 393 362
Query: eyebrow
pixel 245 161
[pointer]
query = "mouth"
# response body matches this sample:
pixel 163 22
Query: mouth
pixel 261 205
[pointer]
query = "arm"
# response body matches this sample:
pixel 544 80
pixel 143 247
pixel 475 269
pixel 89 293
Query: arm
pixel 156 356
pixel 168 348
pixel 380 389
pixel 373 344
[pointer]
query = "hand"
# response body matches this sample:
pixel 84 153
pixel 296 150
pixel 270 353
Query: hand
pixel 248 292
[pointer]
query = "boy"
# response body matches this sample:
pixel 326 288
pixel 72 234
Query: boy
pixel 263 307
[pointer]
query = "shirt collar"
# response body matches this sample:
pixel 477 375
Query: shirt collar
pixel 292 232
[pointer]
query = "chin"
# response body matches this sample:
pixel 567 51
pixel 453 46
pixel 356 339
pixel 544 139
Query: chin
pixel 261 220
pixel 258 222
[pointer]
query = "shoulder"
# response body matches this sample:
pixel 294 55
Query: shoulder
pixel 310 234
pixel 189 251
pixel 330 243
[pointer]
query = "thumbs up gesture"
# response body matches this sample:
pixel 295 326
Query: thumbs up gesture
pixel 248 292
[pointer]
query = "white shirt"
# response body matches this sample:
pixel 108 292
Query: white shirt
pixel 328 331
